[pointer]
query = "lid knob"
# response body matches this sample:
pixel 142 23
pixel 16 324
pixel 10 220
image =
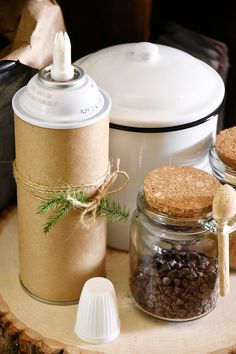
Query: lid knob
pixel 145 51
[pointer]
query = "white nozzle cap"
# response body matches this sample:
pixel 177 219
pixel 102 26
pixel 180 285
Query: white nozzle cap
pixel 97 318
pixel 62 70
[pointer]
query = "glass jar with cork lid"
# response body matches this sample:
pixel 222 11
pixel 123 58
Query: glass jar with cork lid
pixel 173 257
pixel 222 158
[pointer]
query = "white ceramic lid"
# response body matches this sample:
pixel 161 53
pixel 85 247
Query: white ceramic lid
pixel 154 85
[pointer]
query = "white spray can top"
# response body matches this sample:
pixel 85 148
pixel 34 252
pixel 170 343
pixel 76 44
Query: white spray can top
pixel 61 95
pixel 62 70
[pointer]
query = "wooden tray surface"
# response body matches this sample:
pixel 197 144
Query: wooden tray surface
pixel 26 322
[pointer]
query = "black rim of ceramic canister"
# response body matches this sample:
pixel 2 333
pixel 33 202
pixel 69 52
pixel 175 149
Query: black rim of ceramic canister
pixel 168 129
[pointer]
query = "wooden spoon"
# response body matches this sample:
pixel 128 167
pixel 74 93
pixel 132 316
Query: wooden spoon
pixel 224 208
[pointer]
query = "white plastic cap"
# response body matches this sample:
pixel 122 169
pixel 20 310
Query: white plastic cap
pixel 61 95
pixel 62 70
pixel 97 318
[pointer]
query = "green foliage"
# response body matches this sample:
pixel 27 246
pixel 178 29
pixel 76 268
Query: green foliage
pixel 53 203
pixel 56 217
pixel 114 212
pixel 58 207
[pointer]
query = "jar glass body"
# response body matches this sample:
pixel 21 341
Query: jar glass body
pixel 173 265
pixel 225 175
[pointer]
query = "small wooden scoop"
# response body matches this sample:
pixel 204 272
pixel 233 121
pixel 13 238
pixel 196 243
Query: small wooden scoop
pixel 224 208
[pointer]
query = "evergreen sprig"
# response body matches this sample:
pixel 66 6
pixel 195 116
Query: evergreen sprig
pixel 114 212
pixel 55 218
pixel 58 207
pixel 53 203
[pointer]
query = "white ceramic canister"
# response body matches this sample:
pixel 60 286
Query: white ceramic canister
pixel 62 134
pixel 164 111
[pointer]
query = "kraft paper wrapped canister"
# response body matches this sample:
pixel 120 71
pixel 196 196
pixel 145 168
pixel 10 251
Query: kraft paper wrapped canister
pixel 59 142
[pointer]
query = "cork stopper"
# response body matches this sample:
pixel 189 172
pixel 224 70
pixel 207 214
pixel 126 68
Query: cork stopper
pixel 180 191
pixel 226 146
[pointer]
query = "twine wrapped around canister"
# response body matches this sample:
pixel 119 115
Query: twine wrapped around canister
pixel 42 192
pixel 99 189
pixel 103 191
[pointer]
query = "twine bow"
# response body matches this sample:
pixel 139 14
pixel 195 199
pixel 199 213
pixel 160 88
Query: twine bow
pixel 59 200
pixel 90 207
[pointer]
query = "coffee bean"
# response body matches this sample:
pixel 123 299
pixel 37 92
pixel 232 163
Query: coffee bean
pixel 152 272
pixel 160 312
pixel 158 263
pixel 192 264
pixel 171 274
pixel 150 304
pixel 147 270
pixel 194 256
pixel 167 256
pixel 175 308
pixel 179 284
pixel 207 307
pixel 177 281
pixel 165 268
pixel 178 265
pixel 205 295
pixel 166 281
pixel 169 290
pixel 203 288
pixel 174 252
pixel 181 313
pixel 192 287
pixel 203 263
pixel 185 283
pixel 186 271
pixel 178 247
pixel 195 299
pixel 179 302
pixel 204 302
pixel 179 274
pixel 140 275
pixel 172 263
pixel 212 269
pixel 157 281
pixel 152 298
pixel 192 276
pixel 168 308
pixel 178 290
pixel 149 287
pixel 189 305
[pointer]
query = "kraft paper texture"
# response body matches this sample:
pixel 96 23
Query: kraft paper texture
pixel 31 27
pixel 55 266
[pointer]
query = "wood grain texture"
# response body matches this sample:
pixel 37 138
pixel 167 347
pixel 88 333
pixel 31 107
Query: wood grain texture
pixel 28 326
pixel 223 251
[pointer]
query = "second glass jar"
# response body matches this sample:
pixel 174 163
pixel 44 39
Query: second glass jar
pixel 226 175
